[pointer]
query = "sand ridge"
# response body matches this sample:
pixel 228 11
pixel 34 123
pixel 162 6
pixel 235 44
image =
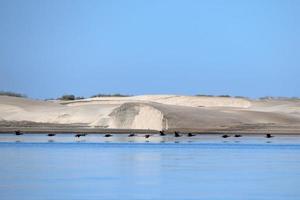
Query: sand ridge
pixel 157 112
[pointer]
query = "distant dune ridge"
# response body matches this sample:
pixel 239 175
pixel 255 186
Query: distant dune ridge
pixel 159 112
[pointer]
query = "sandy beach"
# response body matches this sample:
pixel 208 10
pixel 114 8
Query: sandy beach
pixel 151 113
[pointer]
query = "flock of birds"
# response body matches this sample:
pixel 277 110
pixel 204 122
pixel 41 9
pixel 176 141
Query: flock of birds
pixel 161 133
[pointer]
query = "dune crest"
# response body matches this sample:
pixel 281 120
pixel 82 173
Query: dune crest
pixel 191 101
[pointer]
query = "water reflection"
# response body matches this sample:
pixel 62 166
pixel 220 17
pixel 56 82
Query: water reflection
pixel 123 138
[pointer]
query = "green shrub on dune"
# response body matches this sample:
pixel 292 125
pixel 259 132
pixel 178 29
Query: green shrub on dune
pixel 110 95
pixel 12 94
pixel 67 97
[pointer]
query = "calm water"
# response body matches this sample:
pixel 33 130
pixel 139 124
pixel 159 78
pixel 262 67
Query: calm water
pixel 207 167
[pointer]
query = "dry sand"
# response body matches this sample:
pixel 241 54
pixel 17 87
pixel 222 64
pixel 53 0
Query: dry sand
pixel 154 112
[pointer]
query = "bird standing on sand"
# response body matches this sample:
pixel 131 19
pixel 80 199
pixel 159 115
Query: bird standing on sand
pixel 176 134
pixel 147 136
pixel 162 133
pixel 18 132
pixel 190 135
pixel 268 135
pixel 80 134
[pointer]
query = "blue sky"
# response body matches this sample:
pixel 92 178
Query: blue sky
pixel 53 47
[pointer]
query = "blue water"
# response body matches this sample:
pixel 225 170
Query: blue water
pixel 122 170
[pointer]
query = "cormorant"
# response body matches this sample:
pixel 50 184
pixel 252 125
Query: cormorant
pixel 190 135
pixel 268 135
pixel 162 133
pixel 176 134
pixel 80 134
pixel 147 136
pixel 18 132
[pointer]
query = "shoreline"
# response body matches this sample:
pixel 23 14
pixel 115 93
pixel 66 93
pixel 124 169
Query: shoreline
pixel 68 130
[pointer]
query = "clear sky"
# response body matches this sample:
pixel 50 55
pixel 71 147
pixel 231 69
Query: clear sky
pixel 53 47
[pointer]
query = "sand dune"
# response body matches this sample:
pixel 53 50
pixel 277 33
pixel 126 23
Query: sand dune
pixel 157 112
pixel 191 101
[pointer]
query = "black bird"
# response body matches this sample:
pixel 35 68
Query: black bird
pixel 237 135
pixel 131 135
pixel 162 133
pixel 18 132
pixel 51 134
pixel 190 135
pixel 108 135
pixel 147 136
pixel 176 134
pixel 268 135
pixel 225 136
pixel 80 134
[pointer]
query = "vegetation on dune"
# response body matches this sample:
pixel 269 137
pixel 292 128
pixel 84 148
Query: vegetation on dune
pixel 224 95
pixel 67 97
pixel 278 98
pixel 241 97
pixel 70 97
pixel 110 95
pixel 12 94
pixel 206 95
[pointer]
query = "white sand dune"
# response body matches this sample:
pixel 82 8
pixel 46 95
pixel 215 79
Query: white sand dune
pixel 157 112
pixel 192 101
